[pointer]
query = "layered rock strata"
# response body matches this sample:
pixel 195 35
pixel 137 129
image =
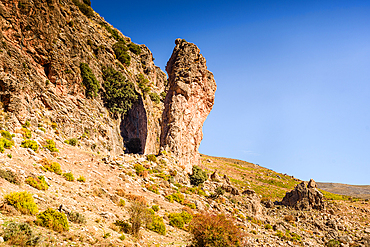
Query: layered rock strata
pixel 189 100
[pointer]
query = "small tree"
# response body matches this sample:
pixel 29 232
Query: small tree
pixel 139 216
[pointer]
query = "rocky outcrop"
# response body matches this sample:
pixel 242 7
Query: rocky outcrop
pixel 305 196
pixel 189 100
pixel 42 44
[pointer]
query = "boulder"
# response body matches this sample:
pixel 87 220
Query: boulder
pixel 305 196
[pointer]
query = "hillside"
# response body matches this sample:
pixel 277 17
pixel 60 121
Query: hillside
pixel 99 148
pixel 114 183
pixel 358 191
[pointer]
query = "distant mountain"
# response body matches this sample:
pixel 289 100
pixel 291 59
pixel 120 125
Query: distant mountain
pixel 360 191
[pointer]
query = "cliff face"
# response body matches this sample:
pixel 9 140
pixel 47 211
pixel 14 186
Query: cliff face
pixel 51 53
pixel 43 44
pixel 189 100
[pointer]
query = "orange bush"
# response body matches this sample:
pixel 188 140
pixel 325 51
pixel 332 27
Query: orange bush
pixel 214 231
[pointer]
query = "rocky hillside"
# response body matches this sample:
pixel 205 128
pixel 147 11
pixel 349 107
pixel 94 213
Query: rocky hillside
pixel 97 194
pixel 63 65
pixel 99 148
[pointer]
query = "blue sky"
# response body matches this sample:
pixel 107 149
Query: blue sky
pixel 293 77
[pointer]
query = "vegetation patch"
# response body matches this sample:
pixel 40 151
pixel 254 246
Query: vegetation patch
pixel 30 144
pixel 120 49
pixel 157 225
pixel 180 219
pixel 72 141
pixel 22 201
pixel 69 176
pixel 143 83
pixel 134 48
pixel 115 34
pixel 10 176
pixel 19 234
pixel 84 8
pixel 214 230
pixel 119 94
pixel 198 177
pixel 51 166
pixel 52 219
pixel 50 145
pixel 37 182
pixel 76 217
pixel 89 81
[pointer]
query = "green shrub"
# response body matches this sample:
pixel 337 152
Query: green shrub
pixel 5 143
pixel 116 35
pixel 51 166
pixel 119 94
pixel 27 134
pixel 198 177
pixel 27 124
pixel 51 146
pixel 22 201
pixel 120 49
pixel 169 198
pixel 124 226
pixel 54 125
pixel 84 8
pixel 163 95
pixel 178 197
pixel 72 141
pixel 52 219
pixel 157 225
pixel 10 176
pixel 6 135
pixel 268 226
pixel 139 168
pixel 153 188
pixel 134 48
pixel 30 144
pixel 37 182
pixel 121 202
pixel 155 208
pixel 214 231
pixel 89 81
pixel 142 82
pixel 19 234
pixel 180 219
pixel 76 217
pixel 87 2
pixel 177 221
pixel 151 157
pixel 42 129
pixel 81 179
pixel 68 176
pixel 154 97
pixel 333 243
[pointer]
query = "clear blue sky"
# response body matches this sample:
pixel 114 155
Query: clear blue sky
pixel 293 77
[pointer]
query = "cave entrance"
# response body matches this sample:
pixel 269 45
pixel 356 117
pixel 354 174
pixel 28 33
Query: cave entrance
pixel 134 128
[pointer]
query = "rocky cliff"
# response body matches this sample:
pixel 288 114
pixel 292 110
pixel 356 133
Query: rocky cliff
pixel 63 68
pixel 189 100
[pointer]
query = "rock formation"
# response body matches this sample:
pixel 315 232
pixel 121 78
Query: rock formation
pixel 189 100
pixel 304 196
pixel 42 45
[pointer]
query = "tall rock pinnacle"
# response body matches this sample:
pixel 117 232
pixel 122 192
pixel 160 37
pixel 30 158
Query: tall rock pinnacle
pixel 189 100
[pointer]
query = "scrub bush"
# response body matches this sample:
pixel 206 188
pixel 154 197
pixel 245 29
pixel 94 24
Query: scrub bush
pixel 53 219
pixel 22 201
pixel 198 177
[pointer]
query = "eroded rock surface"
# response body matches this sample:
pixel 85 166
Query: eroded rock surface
pixel 305 196
pixel 189 100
